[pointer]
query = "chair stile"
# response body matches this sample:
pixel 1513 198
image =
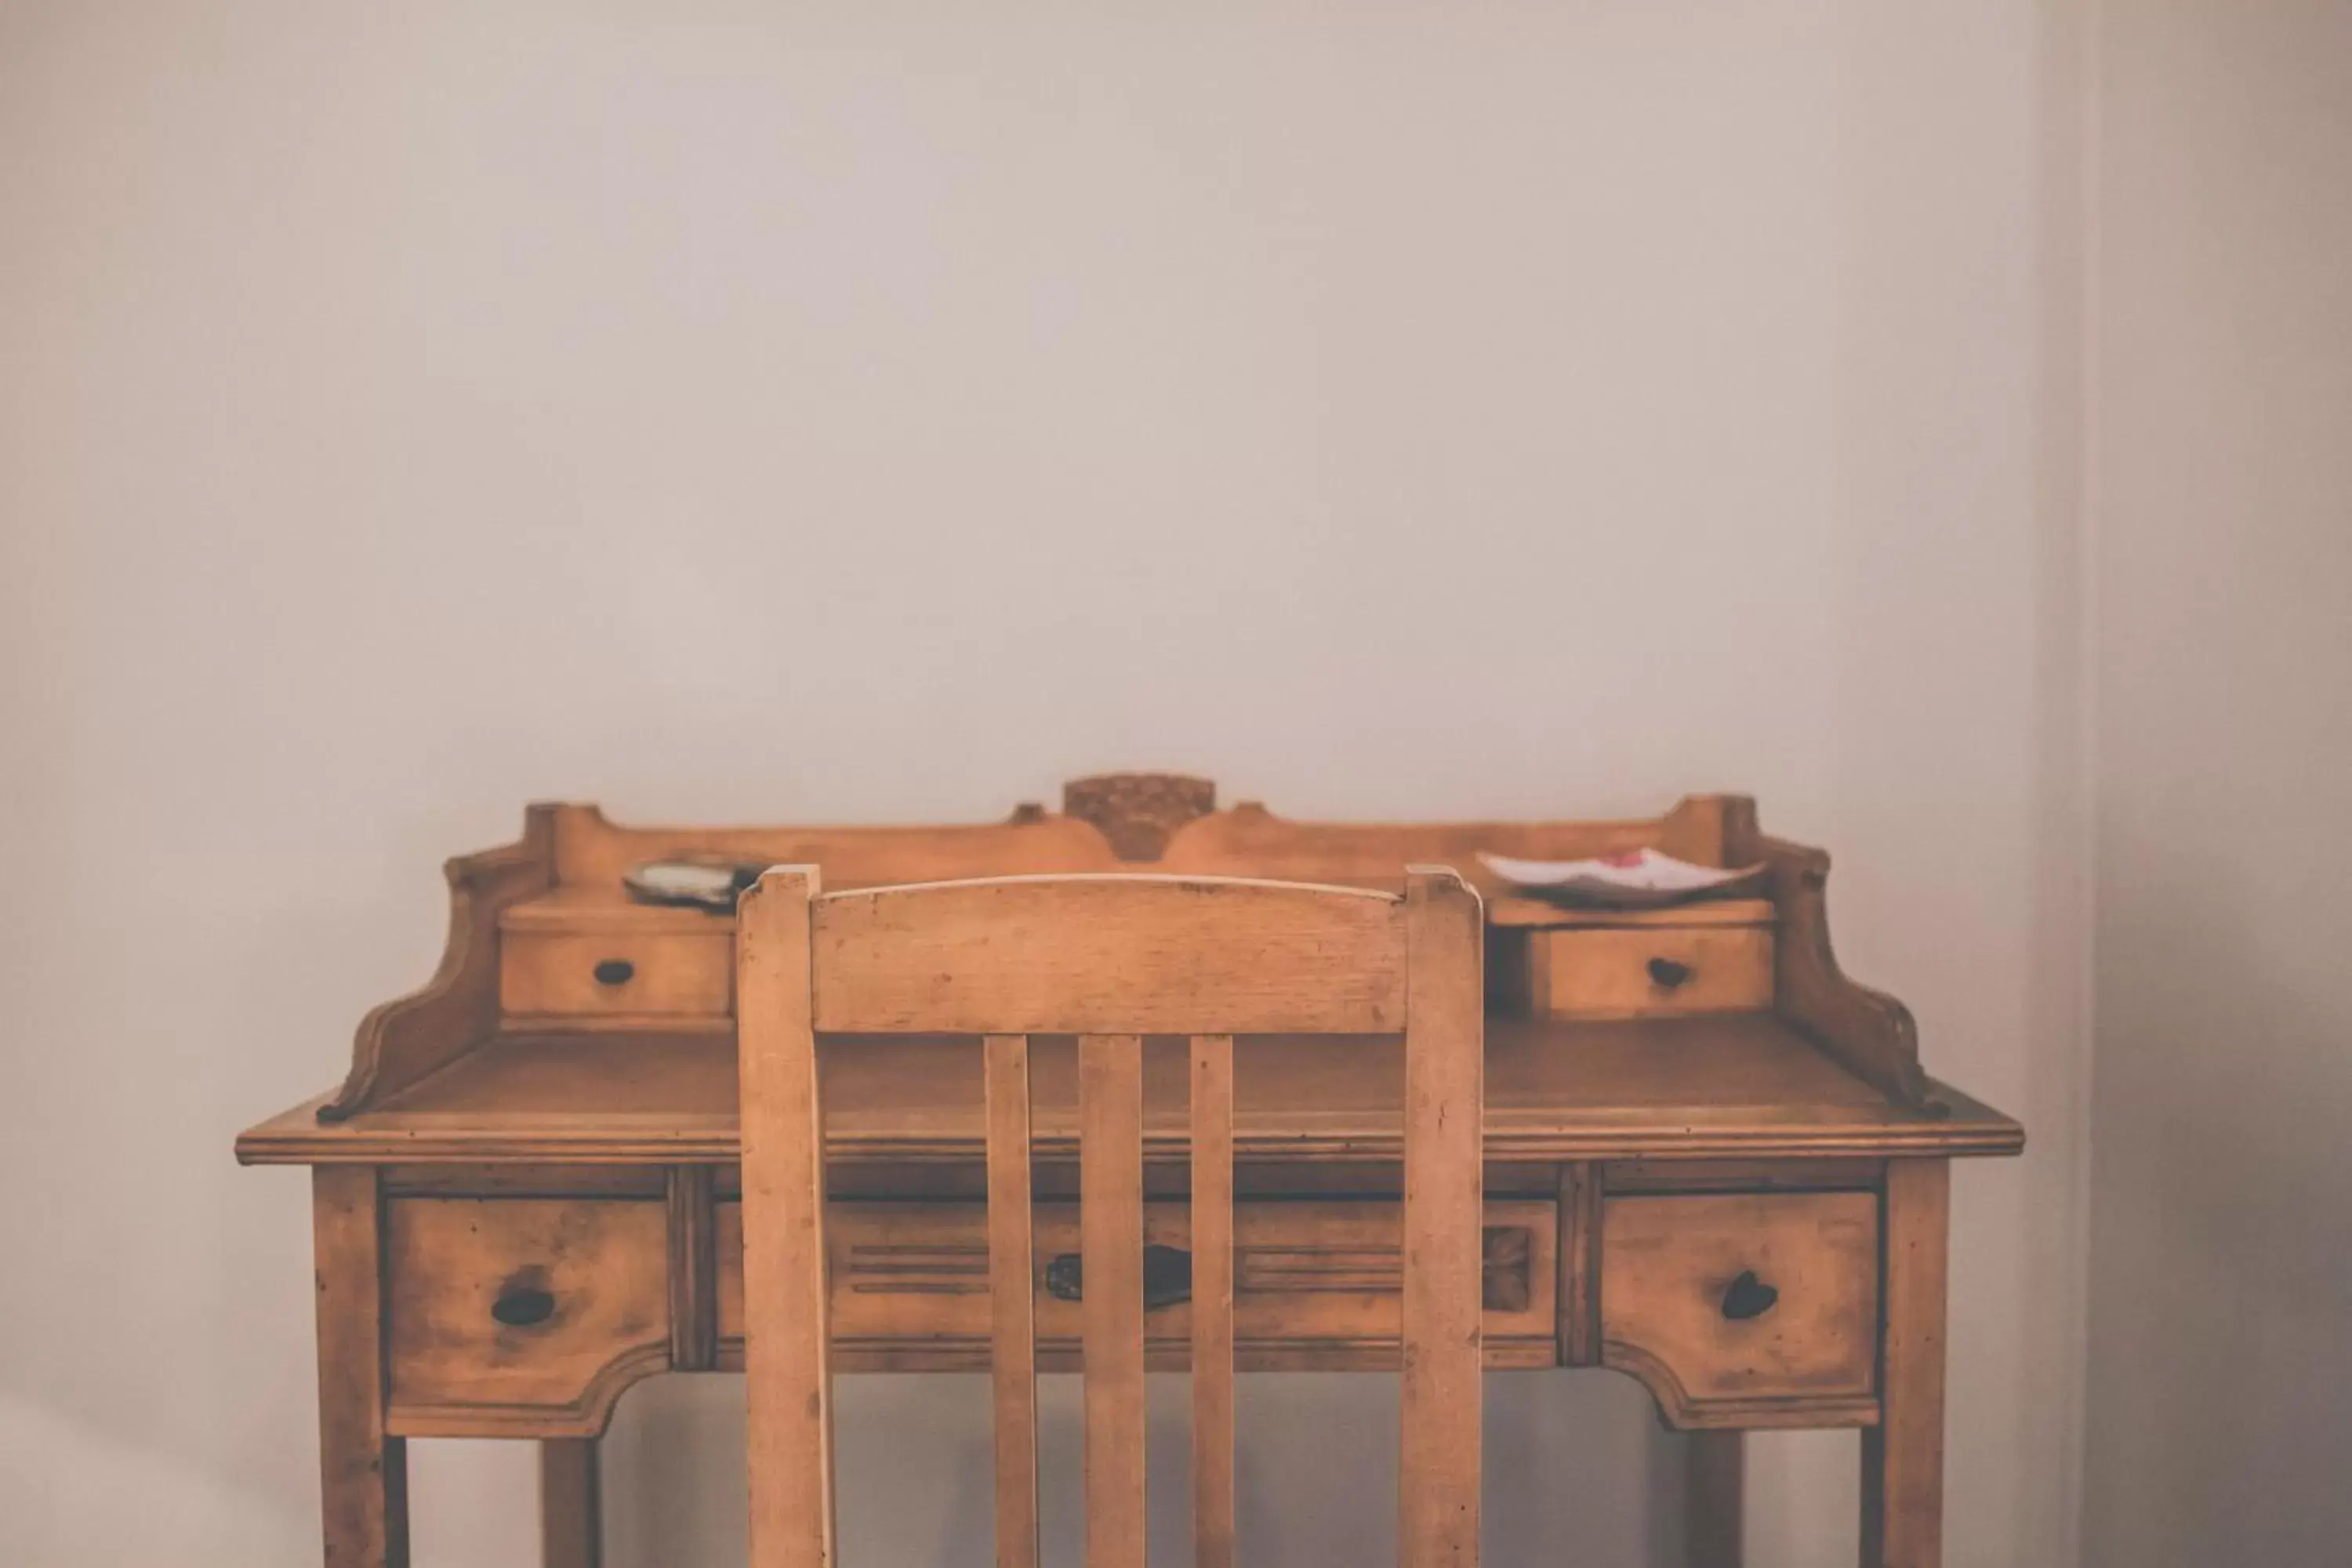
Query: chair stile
pixel 1108 958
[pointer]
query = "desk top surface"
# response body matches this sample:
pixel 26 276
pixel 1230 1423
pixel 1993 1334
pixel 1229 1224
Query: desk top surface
pixel 455 1074
pixel 1746 1085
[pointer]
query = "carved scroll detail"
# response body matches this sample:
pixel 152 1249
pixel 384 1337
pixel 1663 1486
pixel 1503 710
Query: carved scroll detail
pixel 403 1040
pixel 1683 1411
pixel 1136 812
pixel 1867 1032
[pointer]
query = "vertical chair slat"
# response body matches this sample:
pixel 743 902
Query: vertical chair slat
pixel 1012 1294
pixel 1110 1222
pixel 1349 965
pixel 1444 1235
pixel 789 1385
pixel 1212 1301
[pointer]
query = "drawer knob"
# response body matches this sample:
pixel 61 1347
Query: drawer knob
pixel 520 1306
pixel 615 972
pixel 1167 1277
pixel 1667 973
pixel 1748 1297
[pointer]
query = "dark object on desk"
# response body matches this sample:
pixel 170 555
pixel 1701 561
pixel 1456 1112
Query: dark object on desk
pixel 1635 880
pixel 1167 1277
pixel 693 883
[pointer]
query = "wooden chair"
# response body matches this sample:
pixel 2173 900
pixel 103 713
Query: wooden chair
pixel 1110 959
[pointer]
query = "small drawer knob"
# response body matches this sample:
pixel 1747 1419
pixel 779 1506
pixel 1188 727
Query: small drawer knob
pixel 1167 1277
pixel 522 1306
pixel 615 972
pixel 1668 972
pixel 1748 1297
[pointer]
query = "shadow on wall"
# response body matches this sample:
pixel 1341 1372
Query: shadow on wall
pixel 1317 1460
pixel 2220 1167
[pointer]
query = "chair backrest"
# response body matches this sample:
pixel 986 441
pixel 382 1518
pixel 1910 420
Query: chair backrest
pixel 1110 959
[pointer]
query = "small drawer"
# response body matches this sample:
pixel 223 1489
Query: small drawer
pixel 1649 971
pixel 618 974
pixel 521 1314
pixel 1745 1309
pixel 1316 1284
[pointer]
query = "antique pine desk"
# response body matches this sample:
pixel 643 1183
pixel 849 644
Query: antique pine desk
pixel 1714 1162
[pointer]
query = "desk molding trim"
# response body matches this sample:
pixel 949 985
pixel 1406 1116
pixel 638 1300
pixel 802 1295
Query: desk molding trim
pixel 585 1416
pixel 672 1140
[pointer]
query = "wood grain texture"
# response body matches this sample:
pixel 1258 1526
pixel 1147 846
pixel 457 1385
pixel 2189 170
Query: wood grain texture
pixel 584 910
pixel 576 1181
pixel 1212 1301
pixel 672 973
pixel 1606 972
pixel 456 1369
pixel 789 1386
pixel 571 1504
pixel 364 1473
pixel 1077 955
pixel 1515 912
pixel 1111 1216
pixel 1739 1086
pixel 403 1041
pixel 1443 1247
pixel 1902 1459
pixel 1666 1264
pixel 693 1269
pixel 1250 840
pixel 594 852
pixel 1635 1176
pixel 1316 1285
pixel 1580 1263
pixel 1697 829
pixel 1012 1294
pixel 1715 1467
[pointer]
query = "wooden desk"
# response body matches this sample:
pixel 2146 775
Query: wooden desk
pixel 1712 1163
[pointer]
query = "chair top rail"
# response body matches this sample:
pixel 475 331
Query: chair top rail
pixel 1104 953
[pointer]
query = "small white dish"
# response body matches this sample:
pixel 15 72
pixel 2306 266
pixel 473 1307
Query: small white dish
pixel 700 884
pixel 1640 880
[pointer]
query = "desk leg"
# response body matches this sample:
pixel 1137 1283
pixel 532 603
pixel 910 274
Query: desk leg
pixel 1713 1514
pixel 363 1474
pixel 1903 1456
pixel 571 1518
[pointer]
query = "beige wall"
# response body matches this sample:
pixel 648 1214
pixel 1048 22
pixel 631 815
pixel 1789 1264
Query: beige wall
pixel 2221 1364
pixel 884 412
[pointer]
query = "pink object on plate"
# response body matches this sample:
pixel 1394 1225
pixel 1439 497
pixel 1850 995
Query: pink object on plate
pixel 1640 880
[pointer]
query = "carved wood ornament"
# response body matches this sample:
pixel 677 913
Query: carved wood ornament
pixel 1137 812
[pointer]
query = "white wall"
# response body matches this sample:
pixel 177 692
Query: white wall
pixel 2222 1309
pixel 885 412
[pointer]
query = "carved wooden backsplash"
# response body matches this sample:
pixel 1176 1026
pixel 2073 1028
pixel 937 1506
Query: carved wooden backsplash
pixel 1136 812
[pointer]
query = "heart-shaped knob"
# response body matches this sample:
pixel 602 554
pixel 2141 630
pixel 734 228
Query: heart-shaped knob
pixel 1167 1277
pixel 522 1306
pixel 1748 1297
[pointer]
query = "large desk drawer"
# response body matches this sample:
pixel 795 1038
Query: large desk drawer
pixel 1314 1284
pixel 1745 1309
pixel 530 1315
pixel 529 1311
